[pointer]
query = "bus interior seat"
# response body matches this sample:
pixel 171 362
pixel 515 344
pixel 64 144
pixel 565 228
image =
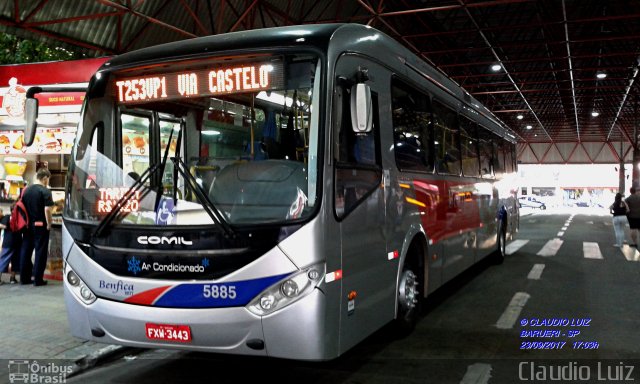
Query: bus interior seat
pixel 256 191
pixel 205 174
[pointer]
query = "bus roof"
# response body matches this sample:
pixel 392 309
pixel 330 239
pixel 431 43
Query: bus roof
pixel 317 35
pixel 314 35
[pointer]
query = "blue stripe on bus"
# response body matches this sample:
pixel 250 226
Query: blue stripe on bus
pixel 216 295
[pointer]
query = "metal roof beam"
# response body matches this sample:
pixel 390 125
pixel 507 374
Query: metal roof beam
pixel 61 38
pixel 499 60
pixel 530 43
pixel 243 16
pixel 573 90
pixel 533 59
pixel 33 12
pixel 139 33
pixel 545 71
pixel 72 19
pixel 150 19
pixel 453 7
pixel 622 103
pixel 286 16
pixel 528 25
pixel 394 31
pixel 195 18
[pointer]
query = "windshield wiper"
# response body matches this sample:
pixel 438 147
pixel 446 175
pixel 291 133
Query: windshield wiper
pixel 135 187
pixel 209 207
pixel 163 165
pixel 191 182
pixel 147 174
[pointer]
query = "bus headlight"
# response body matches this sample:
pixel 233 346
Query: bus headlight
pixel 73 279
pixel 289 288
pixel 79 288
pixel 286 291
pixel 267 302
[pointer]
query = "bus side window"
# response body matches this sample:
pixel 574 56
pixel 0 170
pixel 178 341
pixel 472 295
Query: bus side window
pixel 498 159
pixel 510 163
pixel 503 163
pixel 411 117
pixel 446 137
pixel 485 138
pixel 352 148
pixel 358 170
pixel 469 145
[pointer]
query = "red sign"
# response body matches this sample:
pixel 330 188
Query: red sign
pixel 204 82
pixel 66 98
pixel 16 79
pixel 57 72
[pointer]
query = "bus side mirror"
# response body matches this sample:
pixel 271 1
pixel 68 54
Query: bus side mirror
pixel 361 108
pixel 31 115
pixel 31 108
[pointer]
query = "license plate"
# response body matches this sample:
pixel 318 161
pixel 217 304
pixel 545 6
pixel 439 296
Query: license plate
pixel 168 332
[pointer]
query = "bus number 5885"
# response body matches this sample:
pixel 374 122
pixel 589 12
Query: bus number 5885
pixel 215 291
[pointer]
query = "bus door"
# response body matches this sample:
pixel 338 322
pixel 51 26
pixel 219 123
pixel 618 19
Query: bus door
pixel 368 275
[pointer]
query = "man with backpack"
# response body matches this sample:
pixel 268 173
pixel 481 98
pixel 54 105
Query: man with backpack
pixel 10 254
pixel 38 201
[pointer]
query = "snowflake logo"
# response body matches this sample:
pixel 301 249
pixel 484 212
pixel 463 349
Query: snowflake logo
pixel 134 265
pixel 205 262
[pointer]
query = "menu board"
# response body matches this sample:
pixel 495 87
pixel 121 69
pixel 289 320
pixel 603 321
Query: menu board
pixel 47 141
pixel 136 144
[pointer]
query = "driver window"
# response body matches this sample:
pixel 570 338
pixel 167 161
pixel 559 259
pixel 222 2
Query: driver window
pixel 135 144
pixel 358 166
pixel 169 132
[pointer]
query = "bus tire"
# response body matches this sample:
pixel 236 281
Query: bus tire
pixel 409 300
pixel 501 251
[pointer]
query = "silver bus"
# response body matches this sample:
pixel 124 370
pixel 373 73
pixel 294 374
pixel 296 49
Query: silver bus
pixel 281 192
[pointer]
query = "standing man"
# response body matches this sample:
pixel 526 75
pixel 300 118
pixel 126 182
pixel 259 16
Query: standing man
pixel 38 201
pixel 633 201
pixel 11 243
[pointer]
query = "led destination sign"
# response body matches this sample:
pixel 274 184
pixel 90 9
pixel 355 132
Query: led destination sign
pixel 252 77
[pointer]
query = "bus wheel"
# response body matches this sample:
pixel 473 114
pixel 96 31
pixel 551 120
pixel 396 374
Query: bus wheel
pixel 501 252
pixel 408 300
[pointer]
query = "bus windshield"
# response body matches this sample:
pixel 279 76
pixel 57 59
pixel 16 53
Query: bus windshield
pixel 168 144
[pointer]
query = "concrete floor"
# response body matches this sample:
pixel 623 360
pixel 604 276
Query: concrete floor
pixel 472 330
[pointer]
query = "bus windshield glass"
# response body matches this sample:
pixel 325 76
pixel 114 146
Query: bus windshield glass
pixel 170 143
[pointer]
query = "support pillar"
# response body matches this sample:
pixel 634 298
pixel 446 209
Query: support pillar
pixel 621 176
pixel 635 172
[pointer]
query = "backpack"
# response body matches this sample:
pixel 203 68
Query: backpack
pixel 19 219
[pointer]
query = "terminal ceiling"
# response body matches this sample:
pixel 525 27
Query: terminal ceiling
pixel 550 52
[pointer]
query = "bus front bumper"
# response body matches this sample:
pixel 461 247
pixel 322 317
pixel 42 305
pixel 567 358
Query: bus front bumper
pixel 293 332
